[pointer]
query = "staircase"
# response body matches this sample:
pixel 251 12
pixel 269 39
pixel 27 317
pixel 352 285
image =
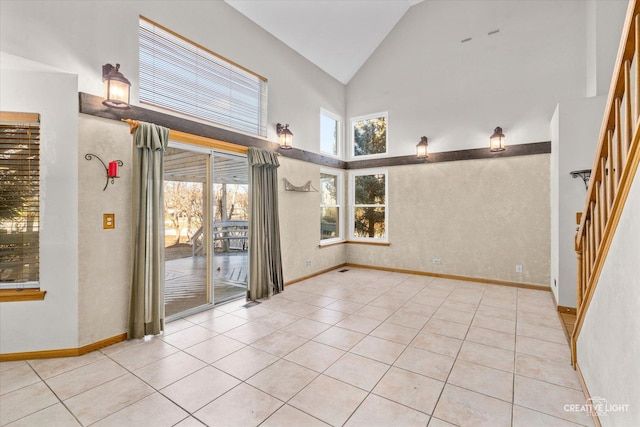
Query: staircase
pixel 613 171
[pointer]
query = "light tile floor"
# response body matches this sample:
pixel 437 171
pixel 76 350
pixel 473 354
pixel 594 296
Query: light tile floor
pixel 359 348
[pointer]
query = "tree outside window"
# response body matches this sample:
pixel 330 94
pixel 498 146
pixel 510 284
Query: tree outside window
pixel 330 201
pixel 370 135
pixel 370 205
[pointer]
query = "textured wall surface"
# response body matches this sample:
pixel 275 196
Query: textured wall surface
pixel 300 223
pixel 609 343
pixel 104 255
pixel 479 217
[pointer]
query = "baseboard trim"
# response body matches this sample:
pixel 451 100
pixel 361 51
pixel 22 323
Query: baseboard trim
pixel 317 273
pixel 456 277
pixel 66 352
pixel 587 395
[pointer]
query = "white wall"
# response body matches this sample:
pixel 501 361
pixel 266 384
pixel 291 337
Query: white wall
pixel 578 130
pixel 604 25
pixel 608 347
pixel 53 322
pixel 81 36
pixel 554 129
pixel 457 93
pixel 87 300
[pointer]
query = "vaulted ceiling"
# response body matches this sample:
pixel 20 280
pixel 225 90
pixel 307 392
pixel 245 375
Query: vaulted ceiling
pixel 336 35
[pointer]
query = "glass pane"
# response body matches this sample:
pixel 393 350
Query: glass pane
pixel 369 222
pixel 370 136
pixel 329 189
pixel 185 215
pixel 328 135
pixel 370 189
pixel 329 223
pixel 230 227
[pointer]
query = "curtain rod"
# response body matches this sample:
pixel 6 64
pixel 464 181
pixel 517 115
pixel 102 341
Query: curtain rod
pixel 133 124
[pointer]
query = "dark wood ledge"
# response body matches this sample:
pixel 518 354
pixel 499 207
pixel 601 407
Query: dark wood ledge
pixel 92 105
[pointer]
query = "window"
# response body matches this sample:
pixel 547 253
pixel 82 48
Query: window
pixel 19 200
pixel 369 135
pixel 185 77
pixel 330 132
pixel 369 204
pixel 330 202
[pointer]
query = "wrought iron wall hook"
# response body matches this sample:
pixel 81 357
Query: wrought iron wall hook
pixel 585 174
pixel 90 156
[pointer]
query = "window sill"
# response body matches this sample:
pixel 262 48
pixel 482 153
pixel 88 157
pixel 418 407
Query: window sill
pixel 331 243
pixel 364 242
pixel 12 295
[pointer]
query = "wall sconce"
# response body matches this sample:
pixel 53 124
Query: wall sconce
pixel 496 142
pixel 285 137
pixel 111 170
pixel 116 87
pixel 421 148
pixel 585 174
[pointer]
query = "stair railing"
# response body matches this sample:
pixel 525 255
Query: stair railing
pixel 613 170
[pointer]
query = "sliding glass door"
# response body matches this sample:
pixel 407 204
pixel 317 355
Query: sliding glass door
pixel 205 208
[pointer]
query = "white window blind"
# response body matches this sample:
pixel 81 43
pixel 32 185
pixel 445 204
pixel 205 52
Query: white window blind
pixel 185 77
pixel 19 199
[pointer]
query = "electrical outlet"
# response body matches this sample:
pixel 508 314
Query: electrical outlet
pixel 518 268
pixel 108 221
pixel 437 261
pixel 308 263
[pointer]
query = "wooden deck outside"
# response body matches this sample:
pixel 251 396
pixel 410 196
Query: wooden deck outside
pixel 185 280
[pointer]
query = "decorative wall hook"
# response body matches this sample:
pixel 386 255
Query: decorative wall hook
pixel 111 170
pixel 585 174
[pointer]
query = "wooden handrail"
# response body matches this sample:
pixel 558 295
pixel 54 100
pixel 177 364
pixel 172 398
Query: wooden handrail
pixel 614 168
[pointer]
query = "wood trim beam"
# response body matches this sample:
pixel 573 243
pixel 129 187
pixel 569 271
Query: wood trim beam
pixel 66 352
pixel 13 295
pixel 317 273
pixel 92 105
pixel 456 277
pixel 452 156
pixel 587 395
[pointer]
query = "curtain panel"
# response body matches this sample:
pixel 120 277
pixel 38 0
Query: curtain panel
pixel 146 315
pixel 265 260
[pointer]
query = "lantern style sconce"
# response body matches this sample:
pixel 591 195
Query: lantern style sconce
pixel 421 148
pixel 285 137
pixel 111 170
pixel 116 87
pixel 496 142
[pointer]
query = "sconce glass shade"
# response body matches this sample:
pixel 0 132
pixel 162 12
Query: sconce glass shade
pixel 421 148
pixel 285 136
pixel 496 142
pixel 116 87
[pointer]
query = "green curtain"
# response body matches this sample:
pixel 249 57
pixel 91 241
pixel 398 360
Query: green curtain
pixel 146 314
pixel 265 260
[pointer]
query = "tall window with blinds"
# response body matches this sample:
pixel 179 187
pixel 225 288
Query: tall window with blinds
pixel 182 76
pixel 19 199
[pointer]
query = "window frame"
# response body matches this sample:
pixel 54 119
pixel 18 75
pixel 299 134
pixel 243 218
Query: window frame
pixel 191 56
pixel 339 133
pixel 29 122
pixel 339 204
pixel 352 205
pixel 353 120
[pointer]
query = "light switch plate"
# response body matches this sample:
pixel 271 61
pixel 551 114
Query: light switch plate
pixel 109 221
